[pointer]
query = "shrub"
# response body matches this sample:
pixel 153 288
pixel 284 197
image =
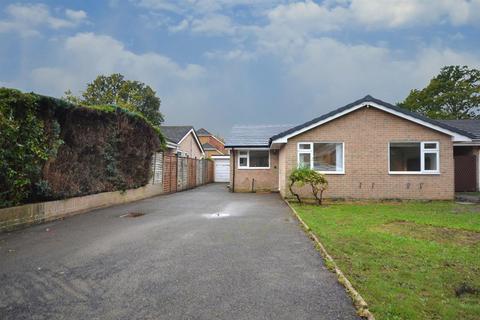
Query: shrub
pixel 316 180
pixel 25 145
pixel 52 149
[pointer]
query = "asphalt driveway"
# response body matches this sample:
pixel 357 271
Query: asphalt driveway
pixel 198 254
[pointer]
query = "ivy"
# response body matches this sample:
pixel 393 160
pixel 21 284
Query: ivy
pixel 24 145
pixel 45 153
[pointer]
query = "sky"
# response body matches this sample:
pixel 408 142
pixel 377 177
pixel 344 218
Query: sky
pixel 217 63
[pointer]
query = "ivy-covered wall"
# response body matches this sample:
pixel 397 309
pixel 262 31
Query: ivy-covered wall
pixel 51 149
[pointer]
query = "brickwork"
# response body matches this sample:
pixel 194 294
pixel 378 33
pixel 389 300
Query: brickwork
pixel 258 180
pixel 366 133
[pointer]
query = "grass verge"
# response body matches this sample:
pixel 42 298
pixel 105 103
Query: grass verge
pixel 408 260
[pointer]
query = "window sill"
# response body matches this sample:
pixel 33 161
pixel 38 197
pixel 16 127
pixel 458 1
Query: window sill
pixel 253 168
pixel 415 173
pixel 331 172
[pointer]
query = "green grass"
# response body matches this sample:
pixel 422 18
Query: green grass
pixel 406 259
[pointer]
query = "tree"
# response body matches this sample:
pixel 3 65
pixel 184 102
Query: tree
pixel 452 94
pixel 303 176
pixel 114 89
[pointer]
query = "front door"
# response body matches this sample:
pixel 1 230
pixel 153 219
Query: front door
pixel 465 173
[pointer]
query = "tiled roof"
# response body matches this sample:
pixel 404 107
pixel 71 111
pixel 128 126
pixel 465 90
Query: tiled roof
pixel 203 132
pixel 208 146
pixel 175 133
pixel 470 126
pixel 253 136
pixel 367 99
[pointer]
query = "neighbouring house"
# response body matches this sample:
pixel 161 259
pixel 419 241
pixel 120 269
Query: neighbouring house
pixel 467 156
pixel 367 149
pixel 212 145
pixel 183 140
pixel 215 149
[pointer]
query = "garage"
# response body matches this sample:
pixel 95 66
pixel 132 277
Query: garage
pixel 222 168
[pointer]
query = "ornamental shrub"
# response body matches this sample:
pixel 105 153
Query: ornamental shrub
pixel 306 176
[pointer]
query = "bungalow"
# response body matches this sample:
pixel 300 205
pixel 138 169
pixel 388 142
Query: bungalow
pixel 368 149
pixel 183 140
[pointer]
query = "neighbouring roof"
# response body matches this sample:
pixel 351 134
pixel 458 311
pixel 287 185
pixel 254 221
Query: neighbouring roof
pixel 364 101
pixel 253 136
pixel 175 133
pixel 203 132
pixel 470 126
pixel 208 146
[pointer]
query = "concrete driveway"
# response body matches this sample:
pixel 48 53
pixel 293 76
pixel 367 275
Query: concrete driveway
pixel 198 254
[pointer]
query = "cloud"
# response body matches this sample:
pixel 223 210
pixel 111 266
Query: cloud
pixel 373 14
pixel 326 71
pixel 201 6
pixel 86 55
pixel 183 25
pixel 232 55
pixel 26 19
pixel 213 25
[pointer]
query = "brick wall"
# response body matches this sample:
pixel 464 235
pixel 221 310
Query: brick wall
pixel 366 133
pixel 259 180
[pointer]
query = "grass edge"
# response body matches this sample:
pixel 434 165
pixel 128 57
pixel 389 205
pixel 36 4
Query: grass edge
pixel 359 303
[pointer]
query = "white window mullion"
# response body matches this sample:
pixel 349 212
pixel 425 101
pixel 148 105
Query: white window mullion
pixel 311 155
pixel 422 157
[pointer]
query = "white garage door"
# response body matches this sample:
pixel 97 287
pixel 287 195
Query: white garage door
pixel 222 170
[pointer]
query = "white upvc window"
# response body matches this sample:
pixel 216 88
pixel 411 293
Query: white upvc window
pixel 414 157
pixel 324 157
pixel 254 159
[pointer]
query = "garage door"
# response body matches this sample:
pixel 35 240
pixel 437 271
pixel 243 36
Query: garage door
pixel 222 170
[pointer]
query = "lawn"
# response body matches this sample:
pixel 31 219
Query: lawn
pixel 408 260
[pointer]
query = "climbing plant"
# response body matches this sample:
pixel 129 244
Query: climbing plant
pixel 26 143
pixel 53 149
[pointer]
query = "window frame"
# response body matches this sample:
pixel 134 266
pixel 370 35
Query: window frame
pixel 311 152
pixel 248 159
pixel 423 151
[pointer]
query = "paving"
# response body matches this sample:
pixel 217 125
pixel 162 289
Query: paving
pixel 198 254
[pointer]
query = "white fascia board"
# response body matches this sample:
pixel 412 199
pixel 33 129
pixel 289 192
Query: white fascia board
pixel 172 145
pixel 251 148
pixel 473 143
pixel 455 136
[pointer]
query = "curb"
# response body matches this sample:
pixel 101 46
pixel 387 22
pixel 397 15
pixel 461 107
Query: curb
pixel 359 303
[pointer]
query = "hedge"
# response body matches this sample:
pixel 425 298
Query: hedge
pixel 51 149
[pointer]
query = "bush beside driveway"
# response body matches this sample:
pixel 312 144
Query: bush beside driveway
pixel 409 260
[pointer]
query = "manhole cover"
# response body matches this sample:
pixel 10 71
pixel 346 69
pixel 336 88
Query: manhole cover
pixel 132 215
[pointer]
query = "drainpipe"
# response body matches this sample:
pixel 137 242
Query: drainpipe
pixel 233 172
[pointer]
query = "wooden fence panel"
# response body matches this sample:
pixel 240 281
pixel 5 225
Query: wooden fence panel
pixel 180 173
pixel 157 168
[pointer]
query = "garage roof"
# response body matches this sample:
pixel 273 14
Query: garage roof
pixel 256 136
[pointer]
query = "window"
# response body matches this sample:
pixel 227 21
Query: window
pixel 326 157
pixel 254 159
pixel 414 157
